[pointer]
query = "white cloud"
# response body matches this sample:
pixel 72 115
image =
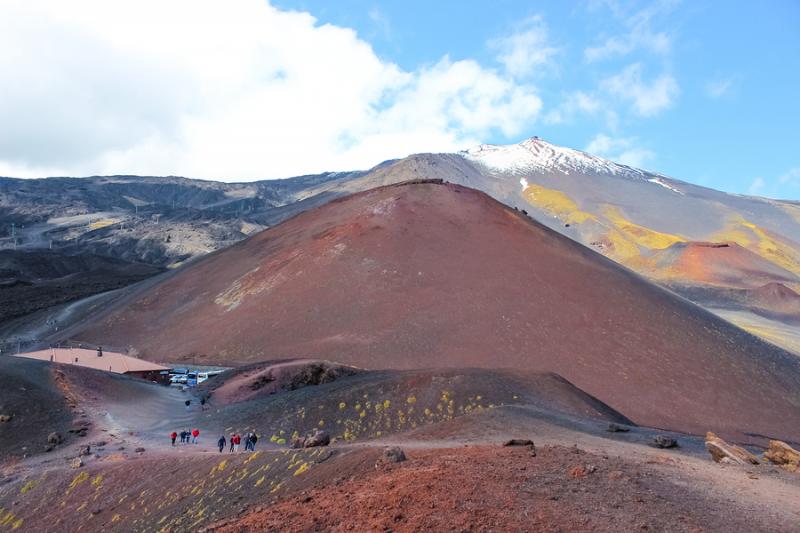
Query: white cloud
pixel 718 88
pixel 526 49
pixel 638 33
pixel 620 149
pixel 648 98
pixel 756 186
pixel 233 90
pixel 792 177
pixel 575 103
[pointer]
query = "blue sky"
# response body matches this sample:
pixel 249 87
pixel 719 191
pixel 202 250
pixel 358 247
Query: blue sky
pixel 704 91
pixel 732 124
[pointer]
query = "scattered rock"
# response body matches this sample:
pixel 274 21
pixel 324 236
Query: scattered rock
pixel 99 444
pixel 782 454
pixel 6 418
pixel 616 428
pixel 581 471
pixel 660 441
pixel 297 442
pixel 319 438
pixel 55 438
pixel 139 450
pixel 84 451
pixel 723 452
pixel 76 463
pixel 394 454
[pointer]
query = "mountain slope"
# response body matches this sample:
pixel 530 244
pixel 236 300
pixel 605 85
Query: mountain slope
pixel 427 275
pixel 668 230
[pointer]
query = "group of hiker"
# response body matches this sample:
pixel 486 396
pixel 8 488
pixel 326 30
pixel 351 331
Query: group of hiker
pixel 186 436
pixel 235 440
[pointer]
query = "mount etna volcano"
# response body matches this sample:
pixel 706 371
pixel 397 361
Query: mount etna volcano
pixel 704 244
pixel 424 275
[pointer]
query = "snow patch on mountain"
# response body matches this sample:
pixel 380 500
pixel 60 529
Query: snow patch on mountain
pixel 535 155
pixel 666 185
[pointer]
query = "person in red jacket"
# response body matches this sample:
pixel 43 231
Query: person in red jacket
pixel 237 439
pixel 195 434
pixel 173 436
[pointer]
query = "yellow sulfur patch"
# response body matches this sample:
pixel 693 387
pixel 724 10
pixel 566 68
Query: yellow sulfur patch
pixel 640 235
pixel 102 223
pixel 556 203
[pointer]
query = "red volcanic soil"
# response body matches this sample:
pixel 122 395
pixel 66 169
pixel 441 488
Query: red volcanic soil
pixel 504 489
pixel 724 263
pixel 437 275
pixel 264 379
pixel 776 297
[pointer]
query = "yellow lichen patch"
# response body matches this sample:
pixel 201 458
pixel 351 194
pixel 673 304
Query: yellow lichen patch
pixel 556 203
pixel 220 467
pixel 253 457
pixel 29 486
pixel 303 468
pixel 77 480
pixel 97 481
pixel 640 235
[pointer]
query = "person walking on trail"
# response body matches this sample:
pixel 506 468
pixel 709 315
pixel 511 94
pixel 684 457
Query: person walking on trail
pixel 195 434
pixel 253 440
pixel 237 440
pixel 183 437
pixel 173 436
pixel 233 436
pixel 247 441
pixel 221 443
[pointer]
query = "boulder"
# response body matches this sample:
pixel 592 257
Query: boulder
pixel 298 442
pixel 394 454
pixel 76 463
pixel 6 418
pixel 522 442
pixel 319 438
pixel 660 441
pixel 722 451
pixel 518 442
pixel 139 450
pixel 782 454
pixel 55 438
pixel 84 451
pixel 616 428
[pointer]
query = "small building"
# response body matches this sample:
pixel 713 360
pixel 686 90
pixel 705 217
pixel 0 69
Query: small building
pixel 100 359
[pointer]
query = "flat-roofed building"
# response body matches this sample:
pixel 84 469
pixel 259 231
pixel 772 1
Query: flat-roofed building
pixel 99 359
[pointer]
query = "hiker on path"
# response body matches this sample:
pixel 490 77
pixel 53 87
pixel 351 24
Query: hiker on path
pixel 247 441
pixel 195 434
pixel 183 437
pixel 253 440
pixel 233 436
pixel 221 443
pixel 237 440
pixel 173 436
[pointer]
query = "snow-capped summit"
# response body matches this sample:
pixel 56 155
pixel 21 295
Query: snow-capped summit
pixel 536 155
